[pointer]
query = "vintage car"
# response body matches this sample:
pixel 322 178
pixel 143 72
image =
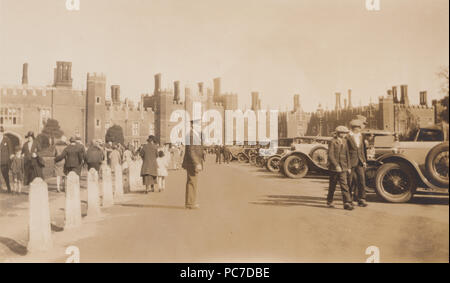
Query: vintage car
pixel 269 157
pixel 422 162
pixel 243 153
pixel 306 154
pixel 311 154
pixel 272 160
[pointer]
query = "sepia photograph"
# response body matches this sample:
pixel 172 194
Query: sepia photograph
pixel 224 135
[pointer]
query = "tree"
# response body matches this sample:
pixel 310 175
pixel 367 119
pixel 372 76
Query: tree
pixel 52 130
pixel 115 135
pixel 443 75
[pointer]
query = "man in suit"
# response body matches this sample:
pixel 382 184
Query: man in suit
pixel 193 164
pixel 149 170
pixel 6 152
pixel 339 168
pixel 31 159
pixel 73 155
pixel 358 160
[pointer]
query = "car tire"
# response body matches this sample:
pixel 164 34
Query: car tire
pixel 273 164
pixel 436 165
pixel 395 182
pixel 290 167
pixel 242 158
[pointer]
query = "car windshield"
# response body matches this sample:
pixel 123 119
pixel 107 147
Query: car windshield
pixel 430 135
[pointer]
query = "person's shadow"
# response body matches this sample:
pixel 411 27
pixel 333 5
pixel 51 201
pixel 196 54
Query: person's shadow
pixel 290 200
pixel 14 246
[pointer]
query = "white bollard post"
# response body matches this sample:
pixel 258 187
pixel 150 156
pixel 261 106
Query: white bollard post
pixel 107 187
pixel 73 201
pixel 40 231
pixel 131 173
pixel 118 182
pixel 93 211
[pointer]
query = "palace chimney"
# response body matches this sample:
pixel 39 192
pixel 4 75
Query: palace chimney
pixel 200 88
pixel 349 100
pixel 25 74
pixel 176 89
pixel 255 101
pixel 394 94
pixel 423 98
pixel 217 90
pixel 338 101
pixel 404 95
pixel 157 84
pixel 296 102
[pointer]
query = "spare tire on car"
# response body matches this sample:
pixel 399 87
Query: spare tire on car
pixel 437 166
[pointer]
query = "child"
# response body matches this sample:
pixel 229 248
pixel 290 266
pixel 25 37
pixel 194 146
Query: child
pixel 163 163
pixel 17 170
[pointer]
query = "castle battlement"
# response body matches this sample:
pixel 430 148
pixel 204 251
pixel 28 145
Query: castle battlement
pixel 24 90
pixel 96 77
pixel 411 107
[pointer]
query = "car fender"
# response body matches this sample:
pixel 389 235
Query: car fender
pixel 311 163
pixel 396 157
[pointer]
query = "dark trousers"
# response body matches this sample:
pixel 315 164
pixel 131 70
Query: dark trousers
pixel 358 183
pixel 219 158
pixel 340 177
pixel 191 188
pixel 5 174
pixel 77 170
pixel 95 165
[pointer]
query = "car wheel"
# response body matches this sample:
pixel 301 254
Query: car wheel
pixel 242 158
pixel 273 164
pixel 395 182
pixel 371 172
pixel 436 164
pixel 320 156
pixel 296 167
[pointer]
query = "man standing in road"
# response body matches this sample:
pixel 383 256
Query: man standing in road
pixel 339 166
pixel 6 152
pixel 193 164
pixel 358 161
pixel 73 155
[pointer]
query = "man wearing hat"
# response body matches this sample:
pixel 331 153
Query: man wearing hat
pixel 339 167
pixel 6 152
pixel 358 161
pixel 193 164
pixel 149 169
pixel 73 156
pixel 32 166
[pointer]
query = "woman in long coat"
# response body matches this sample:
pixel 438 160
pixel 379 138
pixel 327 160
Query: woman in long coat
pixel 33 168
pixel 149 172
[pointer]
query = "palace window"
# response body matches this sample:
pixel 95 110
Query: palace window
pixel 135 129
pixel 97 123
pixel 97 100
pixel 45 114
pixel 151 129
pixel 10 116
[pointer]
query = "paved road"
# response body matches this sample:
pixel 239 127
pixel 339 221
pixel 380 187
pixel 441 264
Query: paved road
pixel 248 214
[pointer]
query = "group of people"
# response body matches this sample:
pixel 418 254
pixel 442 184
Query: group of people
pixel 347 158
pixel 223 154
pixel 24 163
pixel 155 164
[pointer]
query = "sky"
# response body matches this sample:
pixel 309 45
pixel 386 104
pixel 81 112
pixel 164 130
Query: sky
pixel 279 48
